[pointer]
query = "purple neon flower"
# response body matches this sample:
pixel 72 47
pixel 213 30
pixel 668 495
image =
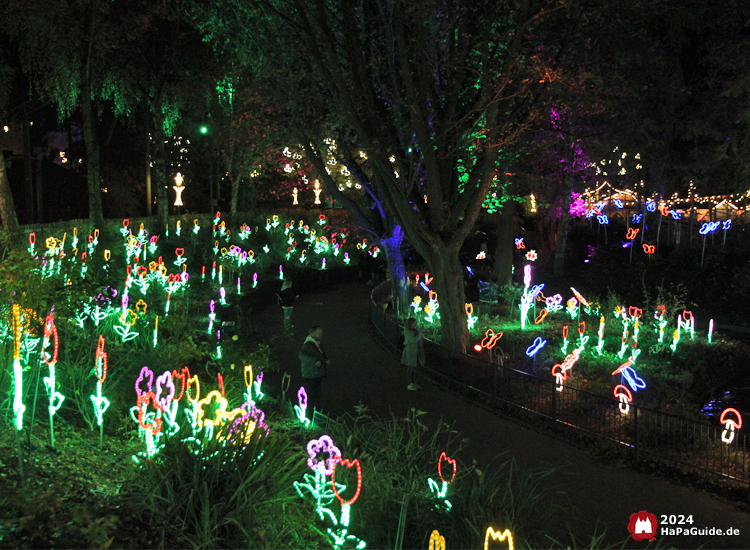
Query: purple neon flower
pixel 318 447
pixel 165 382
pixel 146 375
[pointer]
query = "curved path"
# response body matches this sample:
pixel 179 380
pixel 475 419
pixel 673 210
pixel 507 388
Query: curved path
pixel 603 494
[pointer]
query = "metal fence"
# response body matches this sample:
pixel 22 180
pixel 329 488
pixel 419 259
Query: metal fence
pixel 663 436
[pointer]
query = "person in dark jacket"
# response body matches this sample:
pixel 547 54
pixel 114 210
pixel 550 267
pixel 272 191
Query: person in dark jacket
pixel 411 355
pixel 314 362
pixel 287 299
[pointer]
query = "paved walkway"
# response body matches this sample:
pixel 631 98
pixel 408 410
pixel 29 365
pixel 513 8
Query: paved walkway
pixel 603 494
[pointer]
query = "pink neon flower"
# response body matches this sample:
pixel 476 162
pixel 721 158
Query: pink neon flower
pixel 316 448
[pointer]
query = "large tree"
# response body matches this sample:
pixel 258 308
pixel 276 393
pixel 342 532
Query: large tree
pixel 68 50
pixel 430 90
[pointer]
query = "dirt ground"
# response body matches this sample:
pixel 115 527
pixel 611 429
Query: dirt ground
pixel 602 493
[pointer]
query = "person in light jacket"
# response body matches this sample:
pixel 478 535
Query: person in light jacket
pixel 314 362
pixel 411 353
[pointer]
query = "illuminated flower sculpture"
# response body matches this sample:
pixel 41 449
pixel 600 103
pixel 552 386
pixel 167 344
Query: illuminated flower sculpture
pixel 440 491
pixel 319 448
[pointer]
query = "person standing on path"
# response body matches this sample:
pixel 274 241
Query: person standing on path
pixel 410 355
pixel 286 299
pixel 314 363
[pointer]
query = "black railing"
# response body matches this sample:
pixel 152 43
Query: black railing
pixel 664 436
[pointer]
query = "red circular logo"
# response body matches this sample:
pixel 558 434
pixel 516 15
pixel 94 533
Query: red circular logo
pixel 642 526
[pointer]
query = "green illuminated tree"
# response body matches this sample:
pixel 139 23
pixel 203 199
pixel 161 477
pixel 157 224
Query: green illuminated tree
pixel 67 50
pixel 429 90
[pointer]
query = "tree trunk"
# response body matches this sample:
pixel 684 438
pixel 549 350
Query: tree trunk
pixel 562 237
pixel 396 269
pixel 448 282
pixel 505 244
pixel 28 177
pixel 7 210
pixel 160 176
pixel 92 152
pixel 149 199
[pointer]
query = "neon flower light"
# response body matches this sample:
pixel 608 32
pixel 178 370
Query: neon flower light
pixel 688 323
pixel 317 449
pixel 581 332
pixel 437 541
pixel 301 409
pixel 623 394
pixel 600 334
pixel 519 244
pixel 341 535
pixel 256 384
pixel 564 347
pixel 659 315
pixel 470 319
pixel 572 308
pixel 18 407
pixel 497 535
pixel 347 464
pixel 675 338
pixel 532 256
pixel 554 303
pixel 440 491
pixel 248 376
pixel 211 316
pixel 220 411
pixel 101 404
pixel 538 344
pixel 55 397
pixel 730 424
